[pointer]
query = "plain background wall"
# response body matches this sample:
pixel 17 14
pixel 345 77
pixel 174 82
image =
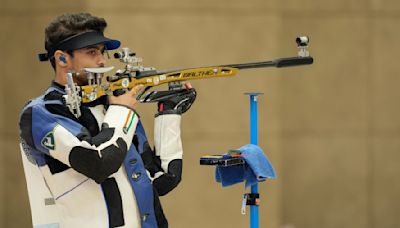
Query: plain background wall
pixel 331 129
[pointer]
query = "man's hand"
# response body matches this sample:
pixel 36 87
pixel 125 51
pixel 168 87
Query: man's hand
pixel 127 99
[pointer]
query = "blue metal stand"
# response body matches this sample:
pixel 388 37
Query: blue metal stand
pixel 254 214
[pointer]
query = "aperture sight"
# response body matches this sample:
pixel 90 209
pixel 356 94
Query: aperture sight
pixel 302 44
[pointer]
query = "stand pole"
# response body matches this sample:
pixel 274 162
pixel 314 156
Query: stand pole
pixel 254 217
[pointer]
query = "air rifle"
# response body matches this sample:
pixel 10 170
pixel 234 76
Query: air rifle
pixel 134 73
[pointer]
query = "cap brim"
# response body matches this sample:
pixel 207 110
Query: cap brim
pixel 112 44
pixel 88 39
pixel 81 40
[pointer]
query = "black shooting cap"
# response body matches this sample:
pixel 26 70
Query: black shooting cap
pixel 80 40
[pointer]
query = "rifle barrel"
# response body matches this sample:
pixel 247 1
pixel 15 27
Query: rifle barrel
pixel 283 62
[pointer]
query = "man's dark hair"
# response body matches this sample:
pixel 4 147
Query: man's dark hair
pixel 70 24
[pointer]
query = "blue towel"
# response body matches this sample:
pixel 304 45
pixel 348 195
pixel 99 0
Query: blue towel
pixel 257 168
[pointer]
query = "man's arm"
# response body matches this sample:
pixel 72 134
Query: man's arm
pixel 70 143
pixel 67 141
pixel 167 140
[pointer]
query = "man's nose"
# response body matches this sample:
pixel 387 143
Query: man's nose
pixel 102 61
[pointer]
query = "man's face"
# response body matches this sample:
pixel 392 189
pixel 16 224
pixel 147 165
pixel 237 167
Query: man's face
pixel 88 57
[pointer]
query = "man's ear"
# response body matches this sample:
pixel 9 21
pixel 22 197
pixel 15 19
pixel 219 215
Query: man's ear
pixel 61 58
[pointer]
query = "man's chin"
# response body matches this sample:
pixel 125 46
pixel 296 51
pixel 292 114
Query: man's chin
pixel 81 82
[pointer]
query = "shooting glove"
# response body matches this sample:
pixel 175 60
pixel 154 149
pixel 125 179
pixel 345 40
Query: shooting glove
pixel 175 101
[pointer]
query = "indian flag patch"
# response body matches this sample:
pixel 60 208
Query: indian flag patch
pixel 128 121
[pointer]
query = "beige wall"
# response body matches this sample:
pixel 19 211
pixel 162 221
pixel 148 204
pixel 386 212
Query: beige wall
pixel 331 130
